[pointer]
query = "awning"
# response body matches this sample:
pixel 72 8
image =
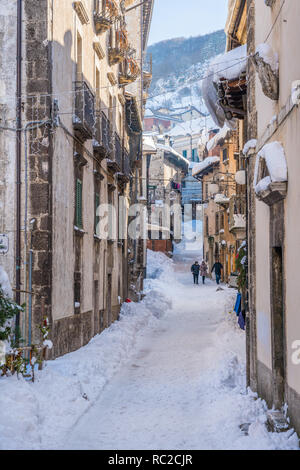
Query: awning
pixel 225 87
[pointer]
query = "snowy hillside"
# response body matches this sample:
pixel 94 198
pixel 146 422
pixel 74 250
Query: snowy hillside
pixel 178 67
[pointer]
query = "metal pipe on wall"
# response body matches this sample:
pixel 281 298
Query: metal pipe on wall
pixel 18 156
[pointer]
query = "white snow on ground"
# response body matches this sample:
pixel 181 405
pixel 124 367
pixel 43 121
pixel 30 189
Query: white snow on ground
pixel 5 284
pixel 169 374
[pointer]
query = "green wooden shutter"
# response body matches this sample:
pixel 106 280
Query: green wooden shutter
pixel 78 204
pixel 97 203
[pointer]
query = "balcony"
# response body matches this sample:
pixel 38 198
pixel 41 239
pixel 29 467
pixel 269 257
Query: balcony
pixel 102 137
pixel 129 72
pixel 126 164
pixel 118 151
pixel 115 165
pixel 105 18
pixel 237 217
pixel 117 53
pixel 84 112
pixel 147 73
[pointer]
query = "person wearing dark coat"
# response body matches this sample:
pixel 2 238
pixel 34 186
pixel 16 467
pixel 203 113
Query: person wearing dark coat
pixel 217 267
pixel 195 270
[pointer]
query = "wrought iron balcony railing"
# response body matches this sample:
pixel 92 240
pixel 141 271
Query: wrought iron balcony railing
pixel 129 71
pixel 106 16
pixel 84 110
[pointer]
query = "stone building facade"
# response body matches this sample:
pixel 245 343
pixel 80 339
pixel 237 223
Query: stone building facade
pixel 166 170
pixel 224 223
pixel 81 105
pixel 273 121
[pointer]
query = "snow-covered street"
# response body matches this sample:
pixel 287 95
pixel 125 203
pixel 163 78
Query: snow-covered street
pixel 169 374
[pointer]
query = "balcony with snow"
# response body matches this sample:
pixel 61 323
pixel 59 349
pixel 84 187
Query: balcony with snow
pixel 271 174
pixel 105 15
pixel 222 200
pixel 205 167
pixel 237 216
pixel 225 87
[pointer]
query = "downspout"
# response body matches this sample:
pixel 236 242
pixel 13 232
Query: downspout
pixel 247 319
pixel 18 157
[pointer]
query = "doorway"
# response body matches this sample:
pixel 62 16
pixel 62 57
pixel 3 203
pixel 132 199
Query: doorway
pixel 278 330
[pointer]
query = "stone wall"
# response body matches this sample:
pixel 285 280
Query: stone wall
pixel 37 66
pixel 251 134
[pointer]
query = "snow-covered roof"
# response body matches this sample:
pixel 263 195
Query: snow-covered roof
pixel 169 149
pixel 274 156
pixel 221 199
pixel 228 66
pixel 222 134
pixel 194 126
pixel 206 163
pixel 148 113
pixel 149 144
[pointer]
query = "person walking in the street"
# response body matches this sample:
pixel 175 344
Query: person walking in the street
pixel 195 270
pixel 217 267
pixel 203 271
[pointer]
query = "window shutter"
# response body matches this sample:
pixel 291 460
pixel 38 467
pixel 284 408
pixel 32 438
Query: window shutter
pixel 78 204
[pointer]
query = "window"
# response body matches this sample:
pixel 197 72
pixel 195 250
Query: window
pixel 97 217
pixel 79 67
pixel 194 155
pixel 98 86
pixel 184 153
pixel 78 203
pixel 225 155
pixel 206 226
pixel 217 223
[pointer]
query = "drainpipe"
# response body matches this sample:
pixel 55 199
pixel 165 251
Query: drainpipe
pixel 247 319
pixel 18 157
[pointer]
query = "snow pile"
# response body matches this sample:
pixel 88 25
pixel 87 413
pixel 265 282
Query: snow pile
pixel 266 53
pixel 149 144
pixel 251 144
pixel 230 66
pixel 224 388
pixel 39 415
pixel 181 381
pixel 192 238
pixel 221 135
pixel 207 162
pixel 263 185
pixel 194 126
pixel 295 93
pixel 5 284
pixel 274 156
pixel 221 199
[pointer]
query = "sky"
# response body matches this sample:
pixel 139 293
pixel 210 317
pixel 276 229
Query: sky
pixel 185 18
